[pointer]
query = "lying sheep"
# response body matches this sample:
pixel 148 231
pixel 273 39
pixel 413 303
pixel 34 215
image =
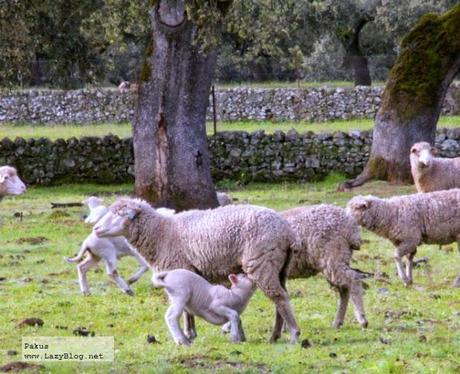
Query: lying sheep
pixel 327 237
pixel 213 243
pixel 408 221
pixel 433 173
pixel 214 303
pixel 96 209
pixel 10 183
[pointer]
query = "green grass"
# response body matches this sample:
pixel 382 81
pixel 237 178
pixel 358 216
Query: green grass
pixel 413 329
pixel 124 129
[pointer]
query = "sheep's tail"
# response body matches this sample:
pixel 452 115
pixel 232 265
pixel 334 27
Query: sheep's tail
pixel 79 256
pixel 158 279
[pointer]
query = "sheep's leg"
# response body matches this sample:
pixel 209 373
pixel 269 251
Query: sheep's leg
pixel 225 328
pixel 356 291
pixel 409 266
pixel 400 268
pixel 189 325
pixel 236 328
pixel 143 268
pixel 172 317
pixel 111 267
pixel 344 297
pixel 456 283
pixel 82 269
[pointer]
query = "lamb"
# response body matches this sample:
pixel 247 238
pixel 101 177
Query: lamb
pixel 433 173
pixel 408 221
pixel 214 303
pixel 327 237
pixel 97 210
pixel 213 243
pixel 10 183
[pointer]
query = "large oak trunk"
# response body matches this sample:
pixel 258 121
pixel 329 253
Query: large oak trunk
pixel 172 165
pixel 413 97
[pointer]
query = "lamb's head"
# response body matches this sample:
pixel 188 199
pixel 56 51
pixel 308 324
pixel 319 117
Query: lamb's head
pixel 10 183
pixel 421 156
pixel 241 282
pixel 122 213
pixel 93 201
pixel 362 209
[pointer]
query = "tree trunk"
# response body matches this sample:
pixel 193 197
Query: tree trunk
pixel 172 164
pixel 413 97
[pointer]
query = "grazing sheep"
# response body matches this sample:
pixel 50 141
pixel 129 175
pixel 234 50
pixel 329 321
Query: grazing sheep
pixel 214 303
pixel 327 237
pixel 10 183
pixel 408 221
pixel 224 198
pixel 213 243
pixel 433 173
pixel 97 210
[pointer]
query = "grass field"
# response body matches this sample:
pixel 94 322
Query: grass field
pixel 124 129
pixel 414 329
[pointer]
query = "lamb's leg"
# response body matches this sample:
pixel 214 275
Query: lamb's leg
pixel 400 268
pixel 344 296
pixel 409 266
pixel 236 328
pixel 356 291
pixel 82 269
pixel 143 268
pixel 189 325
pixel 172 317
pixel 111 267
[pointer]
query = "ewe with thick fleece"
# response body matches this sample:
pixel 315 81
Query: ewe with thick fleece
pixel 408 221
pixel 10 183
pixel 433 173
pixel 213 243
pixel 327 237
pixel 215 303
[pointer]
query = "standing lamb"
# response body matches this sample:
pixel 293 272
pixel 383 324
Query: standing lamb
pixel 10 183
pixel 96 209
pixel 327 237
pixel 213 243
pixel 433 173
pixel 215 303
pixel 408 221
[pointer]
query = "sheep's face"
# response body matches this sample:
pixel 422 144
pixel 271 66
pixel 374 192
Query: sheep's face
pixel 359 207
pixel 93 202
pixel 10 183
pixel 111 225
pixel 241 281
pixel 421 155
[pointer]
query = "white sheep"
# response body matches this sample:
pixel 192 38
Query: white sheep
pixel 432 173
pixel 96 209
pixel 10 183
pixel 212 243
pixel 408 221
pixel 327 238
pixel 214 303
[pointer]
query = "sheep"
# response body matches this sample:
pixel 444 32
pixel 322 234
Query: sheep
pixel 109 250
pixel 433 173
pixel 126 86
pixel 97 210
pixel 327 237
pixel 408 221
pixel 10 183
pixel 224 198
pixel 212 243
pixel 214 303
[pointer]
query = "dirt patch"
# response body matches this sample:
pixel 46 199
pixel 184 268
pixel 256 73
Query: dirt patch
pixel 205 364
pixel 19 366
pixel 36 240
pixel 32 321
pixel 64 272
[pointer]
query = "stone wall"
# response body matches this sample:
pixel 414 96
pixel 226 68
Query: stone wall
pixel 279 104
pixel 235 155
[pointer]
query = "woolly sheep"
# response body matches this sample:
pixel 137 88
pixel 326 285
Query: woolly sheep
pixel 408 221
pixel 433 173
pixel 213 243
pixel 327 237
pixel 10 183
pixel 97 210
pixel 215 303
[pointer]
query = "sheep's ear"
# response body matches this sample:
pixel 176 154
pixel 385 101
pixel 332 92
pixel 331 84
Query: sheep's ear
pixel 132 213
pixel 434 150
pixel 233 278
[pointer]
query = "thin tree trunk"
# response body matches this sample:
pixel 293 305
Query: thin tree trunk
pixel 413 97
pixel 172 165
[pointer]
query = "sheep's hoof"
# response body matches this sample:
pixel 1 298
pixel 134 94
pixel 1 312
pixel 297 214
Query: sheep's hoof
pixel 274 337
pixel 337 324
pixel 129 292
pixel 183 341
pixel 86 293
pixel 364 324
pixel 191 335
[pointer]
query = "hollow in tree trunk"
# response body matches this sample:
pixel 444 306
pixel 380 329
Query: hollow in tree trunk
pixel 413 97
pixel 172 164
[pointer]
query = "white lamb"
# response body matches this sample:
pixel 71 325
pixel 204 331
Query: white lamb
pixel 97 210
pixel 10 183
pixel 214 303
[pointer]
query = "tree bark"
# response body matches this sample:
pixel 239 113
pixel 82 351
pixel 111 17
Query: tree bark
pixel 172 164
pixel 413 97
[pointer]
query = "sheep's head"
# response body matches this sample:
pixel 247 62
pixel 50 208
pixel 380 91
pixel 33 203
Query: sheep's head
pixel 93 202
pixel 241 281
pixel 359 207
pixel 10 183
pixel 421 155
pixel 119 217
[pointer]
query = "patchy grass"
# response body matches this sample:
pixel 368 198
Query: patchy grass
pixel 124 129
pixel 413 329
